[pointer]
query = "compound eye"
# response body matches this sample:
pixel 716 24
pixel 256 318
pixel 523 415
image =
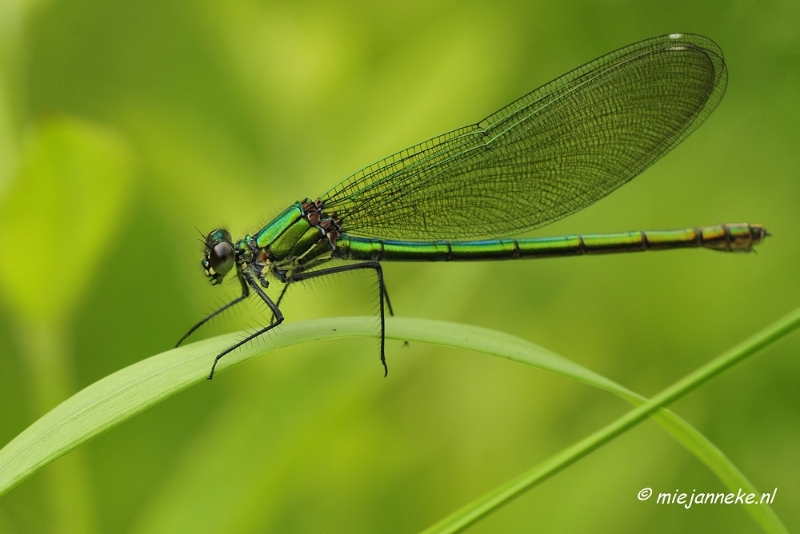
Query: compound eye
pixel 221 258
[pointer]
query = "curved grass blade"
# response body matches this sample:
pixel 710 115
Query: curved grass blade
pixel 682 431
pixel 120 396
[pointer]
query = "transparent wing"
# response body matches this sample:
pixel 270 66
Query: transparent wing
pixel 551 153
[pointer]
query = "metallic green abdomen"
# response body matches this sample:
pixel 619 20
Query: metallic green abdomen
pixel 724 237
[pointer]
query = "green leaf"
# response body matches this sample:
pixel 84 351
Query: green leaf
pixel 682 431
pixel 129 391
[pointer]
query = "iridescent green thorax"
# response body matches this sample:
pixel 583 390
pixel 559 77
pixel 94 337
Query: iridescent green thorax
pixel 299 238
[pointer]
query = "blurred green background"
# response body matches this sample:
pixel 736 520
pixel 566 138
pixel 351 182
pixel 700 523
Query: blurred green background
pixel 124 125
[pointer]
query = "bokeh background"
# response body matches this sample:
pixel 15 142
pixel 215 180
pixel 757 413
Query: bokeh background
pixel 126 125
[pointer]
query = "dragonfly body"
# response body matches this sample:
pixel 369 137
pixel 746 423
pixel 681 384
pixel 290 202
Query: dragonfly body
pixel 304 237
pixel 458 196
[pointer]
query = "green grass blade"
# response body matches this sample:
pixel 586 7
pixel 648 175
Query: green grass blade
pixel 129 391
pixel 764 515
pixel 121 395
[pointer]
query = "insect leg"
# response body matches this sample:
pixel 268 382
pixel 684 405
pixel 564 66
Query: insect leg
pixel 275 312
pixel 381 291
pixel 278 302
pixel 388 302
pixel 237 300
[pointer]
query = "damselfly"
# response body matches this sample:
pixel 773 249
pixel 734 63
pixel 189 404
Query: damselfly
pixel 456 197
